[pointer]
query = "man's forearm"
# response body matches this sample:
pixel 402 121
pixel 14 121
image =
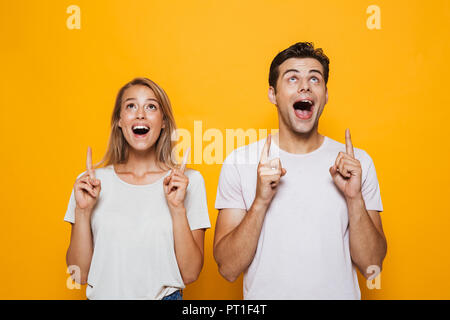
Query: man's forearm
pixel 367 245
pixel 235 251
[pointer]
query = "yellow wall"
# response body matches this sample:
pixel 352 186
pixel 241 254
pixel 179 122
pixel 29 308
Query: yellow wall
pixel 390 86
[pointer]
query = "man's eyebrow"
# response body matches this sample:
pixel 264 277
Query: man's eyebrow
pixel 290 70
pixel 295 70
pixel 315 70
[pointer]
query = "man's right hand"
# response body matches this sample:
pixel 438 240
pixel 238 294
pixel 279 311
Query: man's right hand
pixel 87 188
pixel 269 175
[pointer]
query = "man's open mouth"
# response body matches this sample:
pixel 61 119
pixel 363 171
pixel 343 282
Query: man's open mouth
pixel 304 108
pixel 140 130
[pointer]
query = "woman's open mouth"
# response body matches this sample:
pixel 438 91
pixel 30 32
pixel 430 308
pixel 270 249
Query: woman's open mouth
pixel 140 131
pixel 304 108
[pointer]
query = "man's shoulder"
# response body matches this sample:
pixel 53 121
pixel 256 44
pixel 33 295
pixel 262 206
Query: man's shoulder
pixel 246 155
pixel 335 147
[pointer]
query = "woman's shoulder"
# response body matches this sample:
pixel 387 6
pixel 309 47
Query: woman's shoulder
pixel 105 171
pixel 194 176
pixel 101 172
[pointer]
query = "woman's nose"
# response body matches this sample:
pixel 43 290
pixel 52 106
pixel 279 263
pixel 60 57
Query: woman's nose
pixel 140 113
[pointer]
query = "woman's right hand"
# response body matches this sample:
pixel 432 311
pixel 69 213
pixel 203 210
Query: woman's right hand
pixel 87 187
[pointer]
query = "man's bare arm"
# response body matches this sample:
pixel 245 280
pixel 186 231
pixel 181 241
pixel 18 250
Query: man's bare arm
pixel 367 241
pixel 368 244
pixel 236 239
pixel 238 230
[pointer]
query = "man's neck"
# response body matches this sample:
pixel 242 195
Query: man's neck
pixel 299 143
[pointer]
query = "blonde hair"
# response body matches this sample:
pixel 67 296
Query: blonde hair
pixel 118 147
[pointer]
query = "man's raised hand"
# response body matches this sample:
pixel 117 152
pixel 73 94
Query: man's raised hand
pixel 346 171
pixel 269 173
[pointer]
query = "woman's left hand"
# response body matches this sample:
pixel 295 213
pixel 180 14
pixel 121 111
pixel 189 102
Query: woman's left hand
pixel 175 186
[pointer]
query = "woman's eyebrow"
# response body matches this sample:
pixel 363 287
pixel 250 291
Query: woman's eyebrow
pixel 152 99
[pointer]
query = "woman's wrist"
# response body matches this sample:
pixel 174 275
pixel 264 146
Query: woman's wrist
pixel 84 212
pixel 177 210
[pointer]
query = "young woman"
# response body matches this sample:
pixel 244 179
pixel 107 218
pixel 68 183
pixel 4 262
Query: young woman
pixel 138 220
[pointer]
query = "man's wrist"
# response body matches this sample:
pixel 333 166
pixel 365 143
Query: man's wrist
pixel 355 205
pixel 260 205
pixel 83 216
pixel 355 199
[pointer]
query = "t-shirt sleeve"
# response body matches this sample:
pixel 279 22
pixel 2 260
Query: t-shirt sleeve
pixel 229 191
pixel 370 187
pixel 70 212
pixel 196 203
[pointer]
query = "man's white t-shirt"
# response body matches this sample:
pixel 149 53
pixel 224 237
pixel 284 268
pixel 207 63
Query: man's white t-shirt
pixel 303 249
pixel 134 256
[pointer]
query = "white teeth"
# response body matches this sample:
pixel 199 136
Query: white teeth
pixel 309 101
pixel 141 127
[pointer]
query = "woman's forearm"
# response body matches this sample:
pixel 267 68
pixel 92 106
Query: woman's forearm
pixel 189 255
pixel 80 249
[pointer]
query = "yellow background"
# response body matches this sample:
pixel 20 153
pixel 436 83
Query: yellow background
pixel 58 86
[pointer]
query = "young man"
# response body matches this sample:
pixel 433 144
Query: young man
pixel 297 224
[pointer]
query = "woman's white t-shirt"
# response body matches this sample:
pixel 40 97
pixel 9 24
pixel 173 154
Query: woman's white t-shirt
pixel 134 256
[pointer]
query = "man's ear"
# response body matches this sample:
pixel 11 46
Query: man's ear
pixel 271 95
pixel 326 96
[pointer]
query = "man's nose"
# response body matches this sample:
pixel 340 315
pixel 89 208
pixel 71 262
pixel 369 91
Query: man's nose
pixel 304 86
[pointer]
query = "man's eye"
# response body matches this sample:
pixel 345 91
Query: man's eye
pixel 314 79
pixel 292 79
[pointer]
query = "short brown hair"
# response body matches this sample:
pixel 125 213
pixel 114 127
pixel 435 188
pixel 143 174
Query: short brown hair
pixel 298 50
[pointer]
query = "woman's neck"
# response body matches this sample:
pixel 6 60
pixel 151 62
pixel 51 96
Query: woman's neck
pixel 140 163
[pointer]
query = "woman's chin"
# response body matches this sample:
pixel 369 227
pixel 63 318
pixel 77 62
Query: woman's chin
pixel 140 147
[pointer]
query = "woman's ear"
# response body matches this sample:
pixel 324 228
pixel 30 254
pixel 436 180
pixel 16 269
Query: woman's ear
pixel 272 95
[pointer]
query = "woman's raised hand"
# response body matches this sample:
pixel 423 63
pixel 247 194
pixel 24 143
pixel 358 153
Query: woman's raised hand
pixel 87 187
pixel 175 185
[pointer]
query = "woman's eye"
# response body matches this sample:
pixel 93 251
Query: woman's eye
pixel 151 107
